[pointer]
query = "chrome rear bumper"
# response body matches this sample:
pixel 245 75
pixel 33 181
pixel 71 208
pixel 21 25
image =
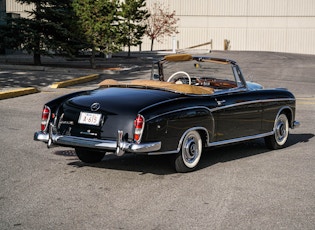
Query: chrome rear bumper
pixel 119 146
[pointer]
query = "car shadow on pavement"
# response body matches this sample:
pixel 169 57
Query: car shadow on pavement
pixel 158 165
pixel 161 165
pixel 245 149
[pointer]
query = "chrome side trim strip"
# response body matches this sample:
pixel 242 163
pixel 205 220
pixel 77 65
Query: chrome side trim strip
pixel 219 143
pixel 163 153
pixel 240 139
pixel 251 102
pixel 220 92
pixel 224 107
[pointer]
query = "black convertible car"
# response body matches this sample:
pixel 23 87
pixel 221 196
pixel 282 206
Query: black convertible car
pixel 190 103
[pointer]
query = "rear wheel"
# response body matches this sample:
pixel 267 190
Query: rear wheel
pixel 89 156
pixel 281 133
pixel 189 156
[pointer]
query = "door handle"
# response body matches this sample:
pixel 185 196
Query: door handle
pixel 221 102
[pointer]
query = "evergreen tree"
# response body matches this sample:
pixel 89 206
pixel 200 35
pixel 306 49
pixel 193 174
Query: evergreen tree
pixel 133 13
pixel 50 27
pixel 62 30
pixel 99 23
pixel 32 30
pixel 9 38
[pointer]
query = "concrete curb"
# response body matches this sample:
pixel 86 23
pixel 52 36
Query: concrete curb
pixel 75 81
pixel 17 92
pixel 44 68
pixel 119 70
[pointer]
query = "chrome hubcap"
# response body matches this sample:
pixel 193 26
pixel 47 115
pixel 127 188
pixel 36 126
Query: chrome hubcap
pixel 191 150
pixel 281 131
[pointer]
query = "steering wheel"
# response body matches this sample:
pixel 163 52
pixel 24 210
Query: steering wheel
pixel 180 72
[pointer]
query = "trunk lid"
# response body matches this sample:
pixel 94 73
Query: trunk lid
pixel 120 100
pixel 118 108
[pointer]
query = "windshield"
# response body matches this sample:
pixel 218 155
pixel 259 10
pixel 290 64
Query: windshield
pixel 218 74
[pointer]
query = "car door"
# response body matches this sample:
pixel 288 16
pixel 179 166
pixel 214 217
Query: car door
pixel 236 115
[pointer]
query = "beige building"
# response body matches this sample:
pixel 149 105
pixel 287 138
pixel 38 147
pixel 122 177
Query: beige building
pixel 11 8
pixel 268 25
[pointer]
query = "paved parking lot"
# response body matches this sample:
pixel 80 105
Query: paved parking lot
pixel 17 74
pixel 244 186
pixel 10 78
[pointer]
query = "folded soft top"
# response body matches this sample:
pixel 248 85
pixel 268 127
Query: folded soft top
pixel 169 86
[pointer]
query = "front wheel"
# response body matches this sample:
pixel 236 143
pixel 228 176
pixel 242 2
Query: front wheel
pixel 281 133
pixel 189 156
pixel 89 156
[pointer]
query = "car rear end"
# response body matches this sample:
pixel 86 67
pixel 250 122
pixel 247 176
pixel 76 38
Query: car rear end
pixel 102 120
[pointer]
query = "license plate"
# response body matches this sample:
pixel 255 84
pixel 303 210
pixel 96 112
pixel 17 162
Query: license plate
pixel 89 118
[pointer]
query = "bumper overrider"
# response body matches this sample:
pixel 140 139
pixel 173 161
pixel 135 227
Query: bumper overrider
pixel 119 147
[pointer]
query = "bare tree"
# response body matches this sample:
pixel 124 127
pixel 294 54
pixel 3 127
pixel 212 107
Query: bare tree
pixel 161 23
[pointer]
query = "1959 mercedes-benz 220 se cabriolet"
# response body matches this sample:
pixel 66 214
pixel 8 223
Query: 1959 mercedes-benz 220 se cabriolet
pixel 189 103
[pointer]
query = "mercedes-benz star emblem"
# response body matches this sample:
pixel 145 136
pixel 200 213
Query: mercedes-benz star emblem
pixel 95 106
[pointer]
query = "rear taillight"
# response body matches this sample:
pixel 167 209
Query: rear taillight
pixel 139 125
pixel 45 118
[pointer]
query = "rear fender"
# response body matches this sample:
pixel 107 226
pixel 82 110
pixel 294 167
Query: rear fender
pixel 170 127
pixel 203 132
pixel 288 111
pixel 54 104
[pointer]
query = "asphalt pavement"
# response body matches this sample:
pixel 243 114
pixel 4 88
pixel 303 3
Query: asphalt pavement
pixel 244 186
pixel 17 70
pixel 18 75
